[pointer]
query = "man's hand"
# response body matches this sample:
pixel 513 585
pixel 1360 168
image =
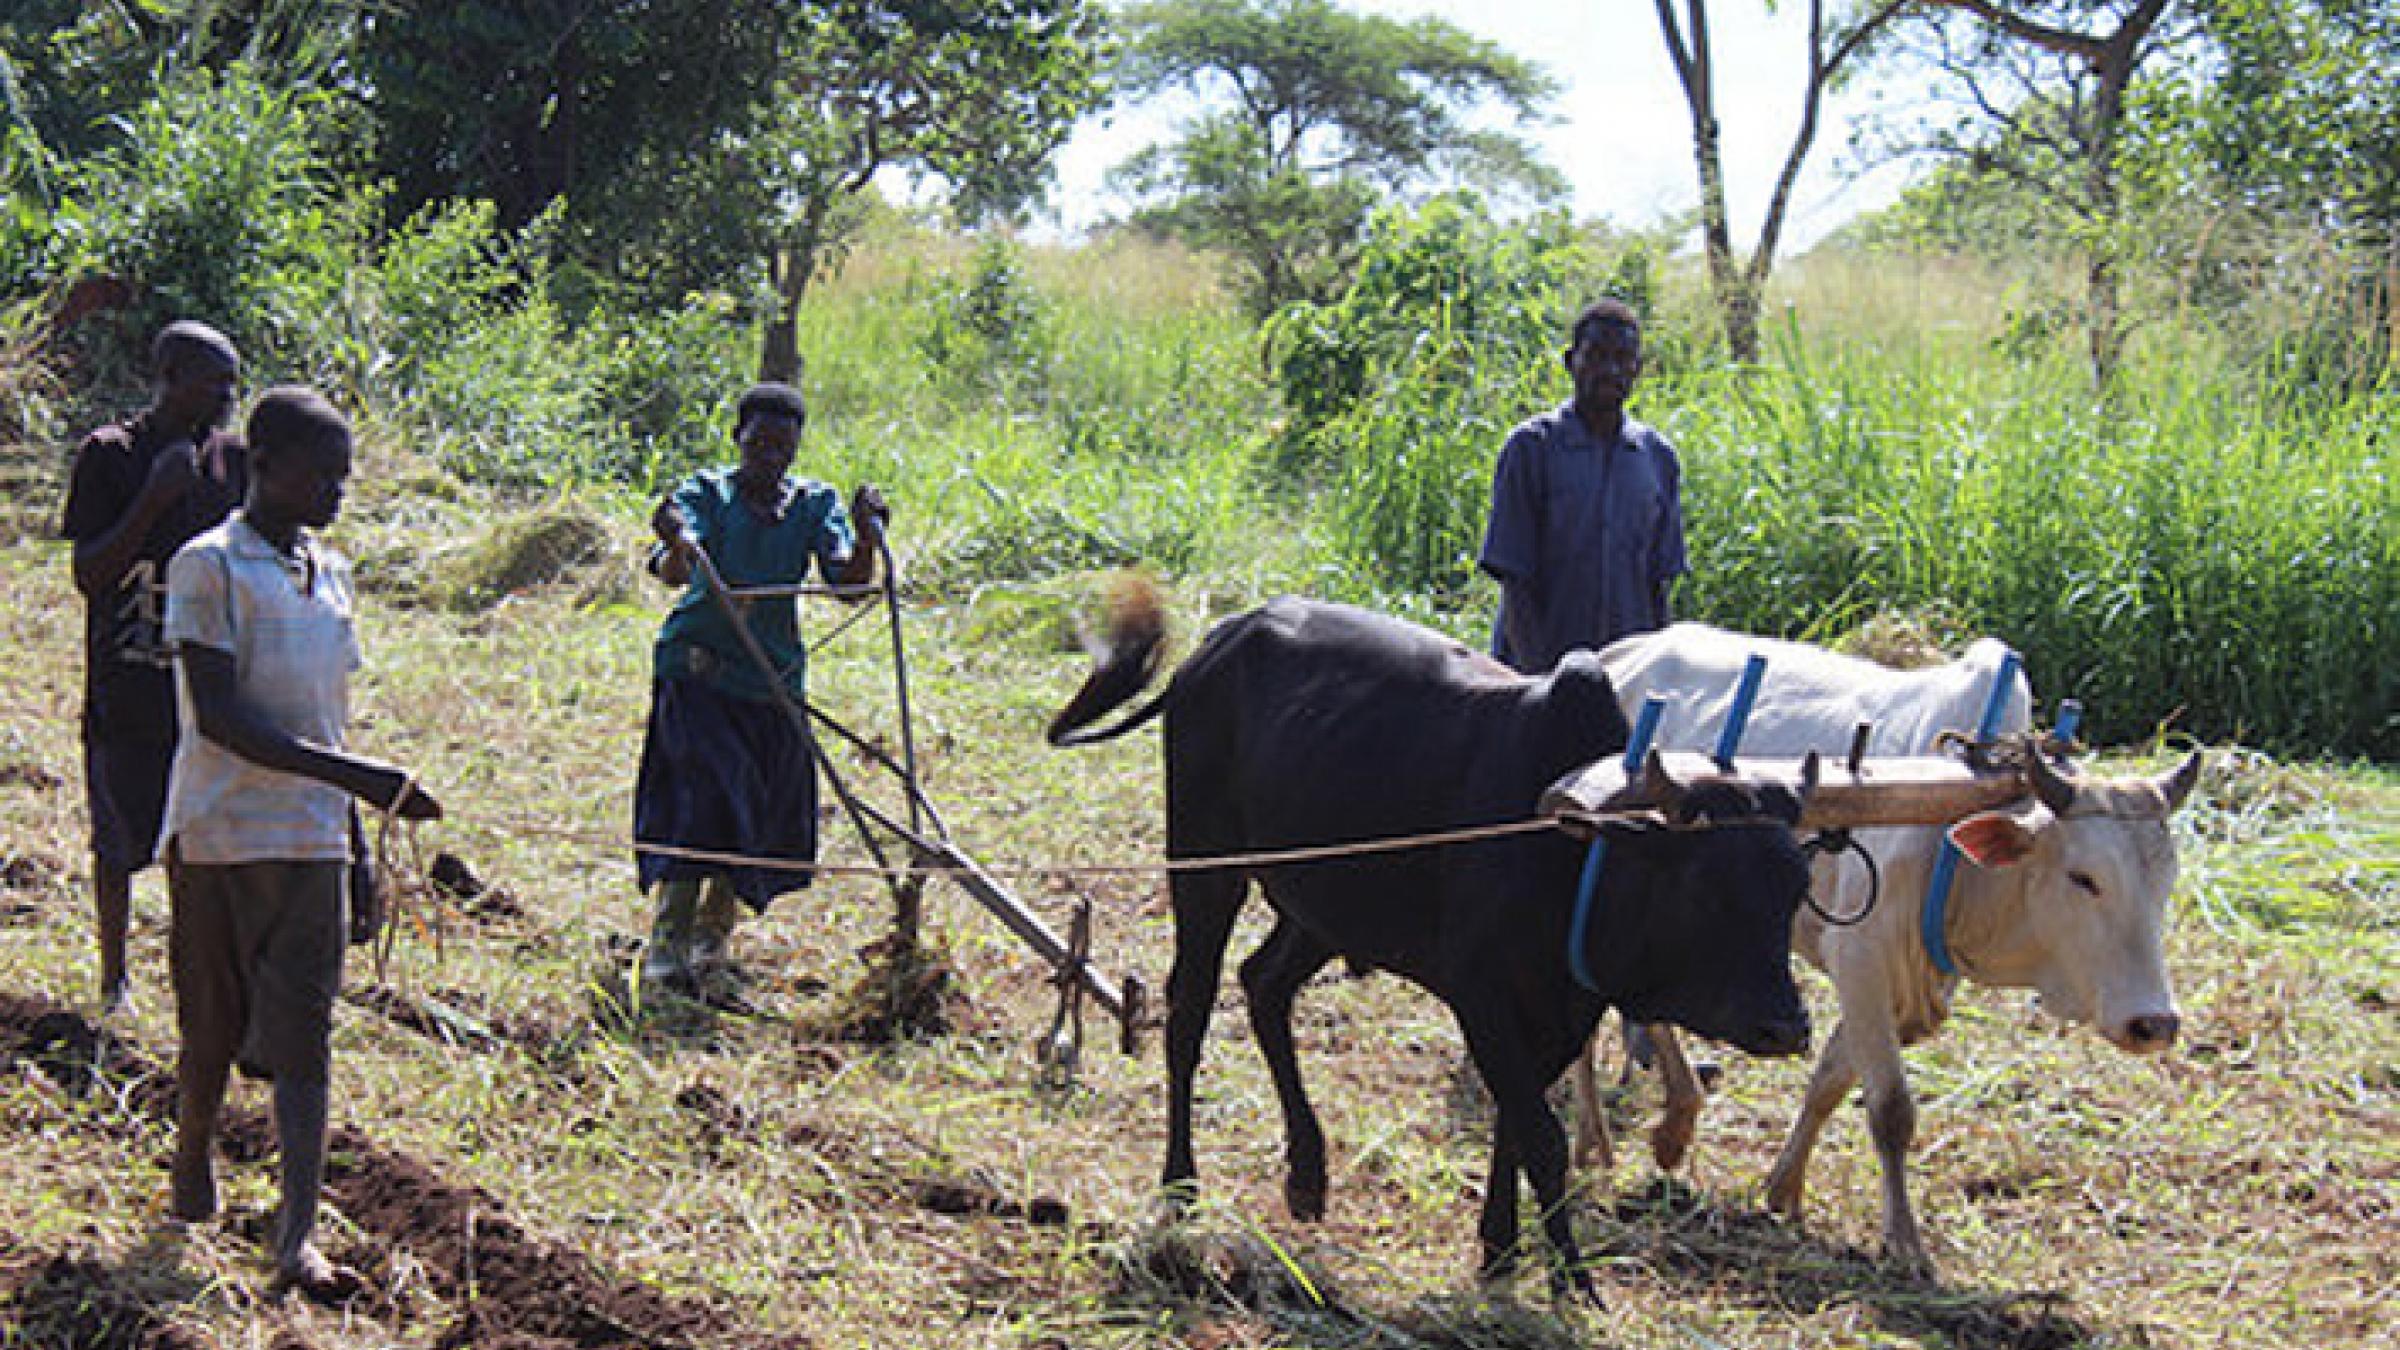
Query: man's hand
pixel 173 470
pixel 397 792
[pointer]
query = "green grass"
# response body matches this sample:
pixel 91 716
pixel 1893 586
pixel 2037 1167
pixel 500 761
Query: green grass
pixel 2209 550
pixel 2205 542
pixel 2221 556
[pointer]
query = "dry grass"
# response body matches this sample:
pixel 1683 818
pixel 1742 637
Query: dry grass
pixel 2240 1193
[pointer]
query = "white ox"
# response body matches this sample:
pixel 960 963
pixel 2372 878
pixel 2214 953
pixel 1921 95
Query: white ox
pixel 2066 892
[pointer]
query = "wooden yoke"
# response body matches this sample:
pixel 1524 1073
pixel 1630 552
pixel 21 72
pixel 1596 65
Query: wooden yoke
pixel 1900 790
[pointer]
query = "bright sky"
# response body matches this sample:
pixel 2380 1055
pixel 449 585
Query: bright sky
pixel 1623 135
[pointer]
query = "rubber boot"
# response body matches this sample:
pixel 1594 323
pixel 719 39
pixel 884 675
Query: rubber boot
pixel 720 912
pixel 668 958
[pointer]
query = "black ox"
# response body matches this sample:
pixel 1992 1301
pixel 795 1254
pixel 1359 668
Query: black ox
pixel 1306 724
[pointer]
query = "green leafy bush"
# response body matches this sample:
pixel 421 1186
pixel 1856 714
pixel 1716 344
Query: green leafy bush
pixel 215 203
pixel 663 388
pixel 987 331
pixel 1402 390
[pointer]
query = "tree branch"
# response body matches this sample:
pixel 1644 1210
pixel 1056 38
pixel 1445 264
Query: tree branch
pixel 2064 41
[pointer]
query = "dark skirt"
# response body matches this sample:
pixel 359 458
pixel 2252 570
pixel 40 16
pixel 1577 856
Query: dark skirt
pixel 726 775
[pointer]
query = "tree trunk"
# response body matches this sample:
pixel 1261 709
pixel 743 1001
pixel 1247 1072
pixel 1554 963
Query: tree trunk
pixel 779 343
pixel 2112 58
pixel 1740 288
pixel 1694 68
pixel 792 267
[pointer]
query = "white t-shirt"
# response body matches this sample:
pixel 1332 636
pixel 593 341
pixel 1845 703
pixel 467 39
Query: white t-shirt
pixel 287 622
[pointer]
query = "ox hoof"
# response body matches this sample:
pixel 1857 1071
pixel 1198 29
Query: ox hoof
pixel 1783 1200
pixel 1500 1265
pixel 1670 1141
pixel 1910 1260
pixel 1306 1200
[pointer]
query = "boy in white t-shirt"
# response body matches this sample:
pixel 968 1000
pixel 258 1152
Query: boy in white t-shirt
pixel 257 838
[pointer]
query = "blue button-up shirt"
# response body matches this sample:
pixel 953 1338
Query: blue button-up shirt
pixel 1584 537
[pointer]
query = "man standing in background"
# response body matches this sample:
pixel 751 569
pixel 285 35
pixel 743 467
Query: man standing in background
pixel 1586 535
pixel 1586 532
pixel 139 489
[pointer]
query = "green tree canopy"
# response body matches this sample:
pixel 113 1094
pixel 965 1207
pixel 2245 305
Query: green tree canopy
pixel 978 95
pixel 1311 113
pixel 633 114
pixel 715 144
pixel 2249 166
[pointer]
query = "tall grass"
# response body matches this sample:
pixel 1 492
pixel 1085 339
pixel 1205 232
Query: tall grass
pixel 2212 546
pixel 2208 549
pixel 1123 430
pixel 2205 549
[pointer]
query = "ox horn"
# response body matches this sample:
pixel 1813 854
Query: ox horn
pixel 1659 786
pixel 1809 770
pixel 2055 789
pixel 2177 783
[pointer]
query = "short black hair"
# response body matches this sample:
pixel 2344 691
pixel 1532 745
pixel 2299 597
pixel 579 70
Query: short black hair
pixel 1607 311
pixel 770 398
pixel 181 339
pixel 293 417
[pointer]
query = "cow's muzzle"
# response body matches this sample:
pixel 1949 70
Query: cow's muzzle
pixel 2148 1034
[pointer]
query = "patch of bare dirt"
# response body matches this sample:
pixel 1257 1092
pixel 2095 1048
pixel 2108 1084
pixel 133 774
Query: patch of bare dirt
pixel 948 1196
pixel 71 1301
pixel 82 1059
pixel 30 872
pixel 478 900
pixel 510 1287
pixel 500 1285
pixel 908 991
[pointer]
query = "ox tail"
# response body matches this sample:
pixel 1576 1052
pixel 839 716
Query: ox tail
pixel 1125 657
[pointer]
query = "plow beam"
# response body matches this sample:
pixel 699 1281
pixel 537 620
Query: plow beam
pixel 1124 1001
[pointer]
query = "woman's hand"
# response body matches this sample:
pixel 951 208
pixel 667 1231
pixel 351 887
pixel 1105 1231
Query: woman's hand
pixel 668 524
pixel 868 510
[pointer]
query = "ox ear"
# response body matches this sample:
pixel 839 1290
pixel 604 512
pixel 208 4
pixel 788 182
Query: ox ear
pixel 1659 787
pixel 2178 782
pixel 1992 839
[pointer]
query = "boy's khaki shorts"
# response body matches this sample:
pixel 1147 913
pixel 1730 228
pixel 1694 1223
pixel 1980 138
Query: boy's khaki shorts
pixel 257 954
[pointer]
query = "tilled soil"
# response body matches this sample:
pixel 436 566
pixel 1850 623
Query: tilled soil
pixel 499 1286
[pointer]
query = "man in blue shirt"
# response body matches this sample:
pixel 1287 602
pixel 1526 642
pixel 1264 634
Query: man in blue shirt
pixel 1586 533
